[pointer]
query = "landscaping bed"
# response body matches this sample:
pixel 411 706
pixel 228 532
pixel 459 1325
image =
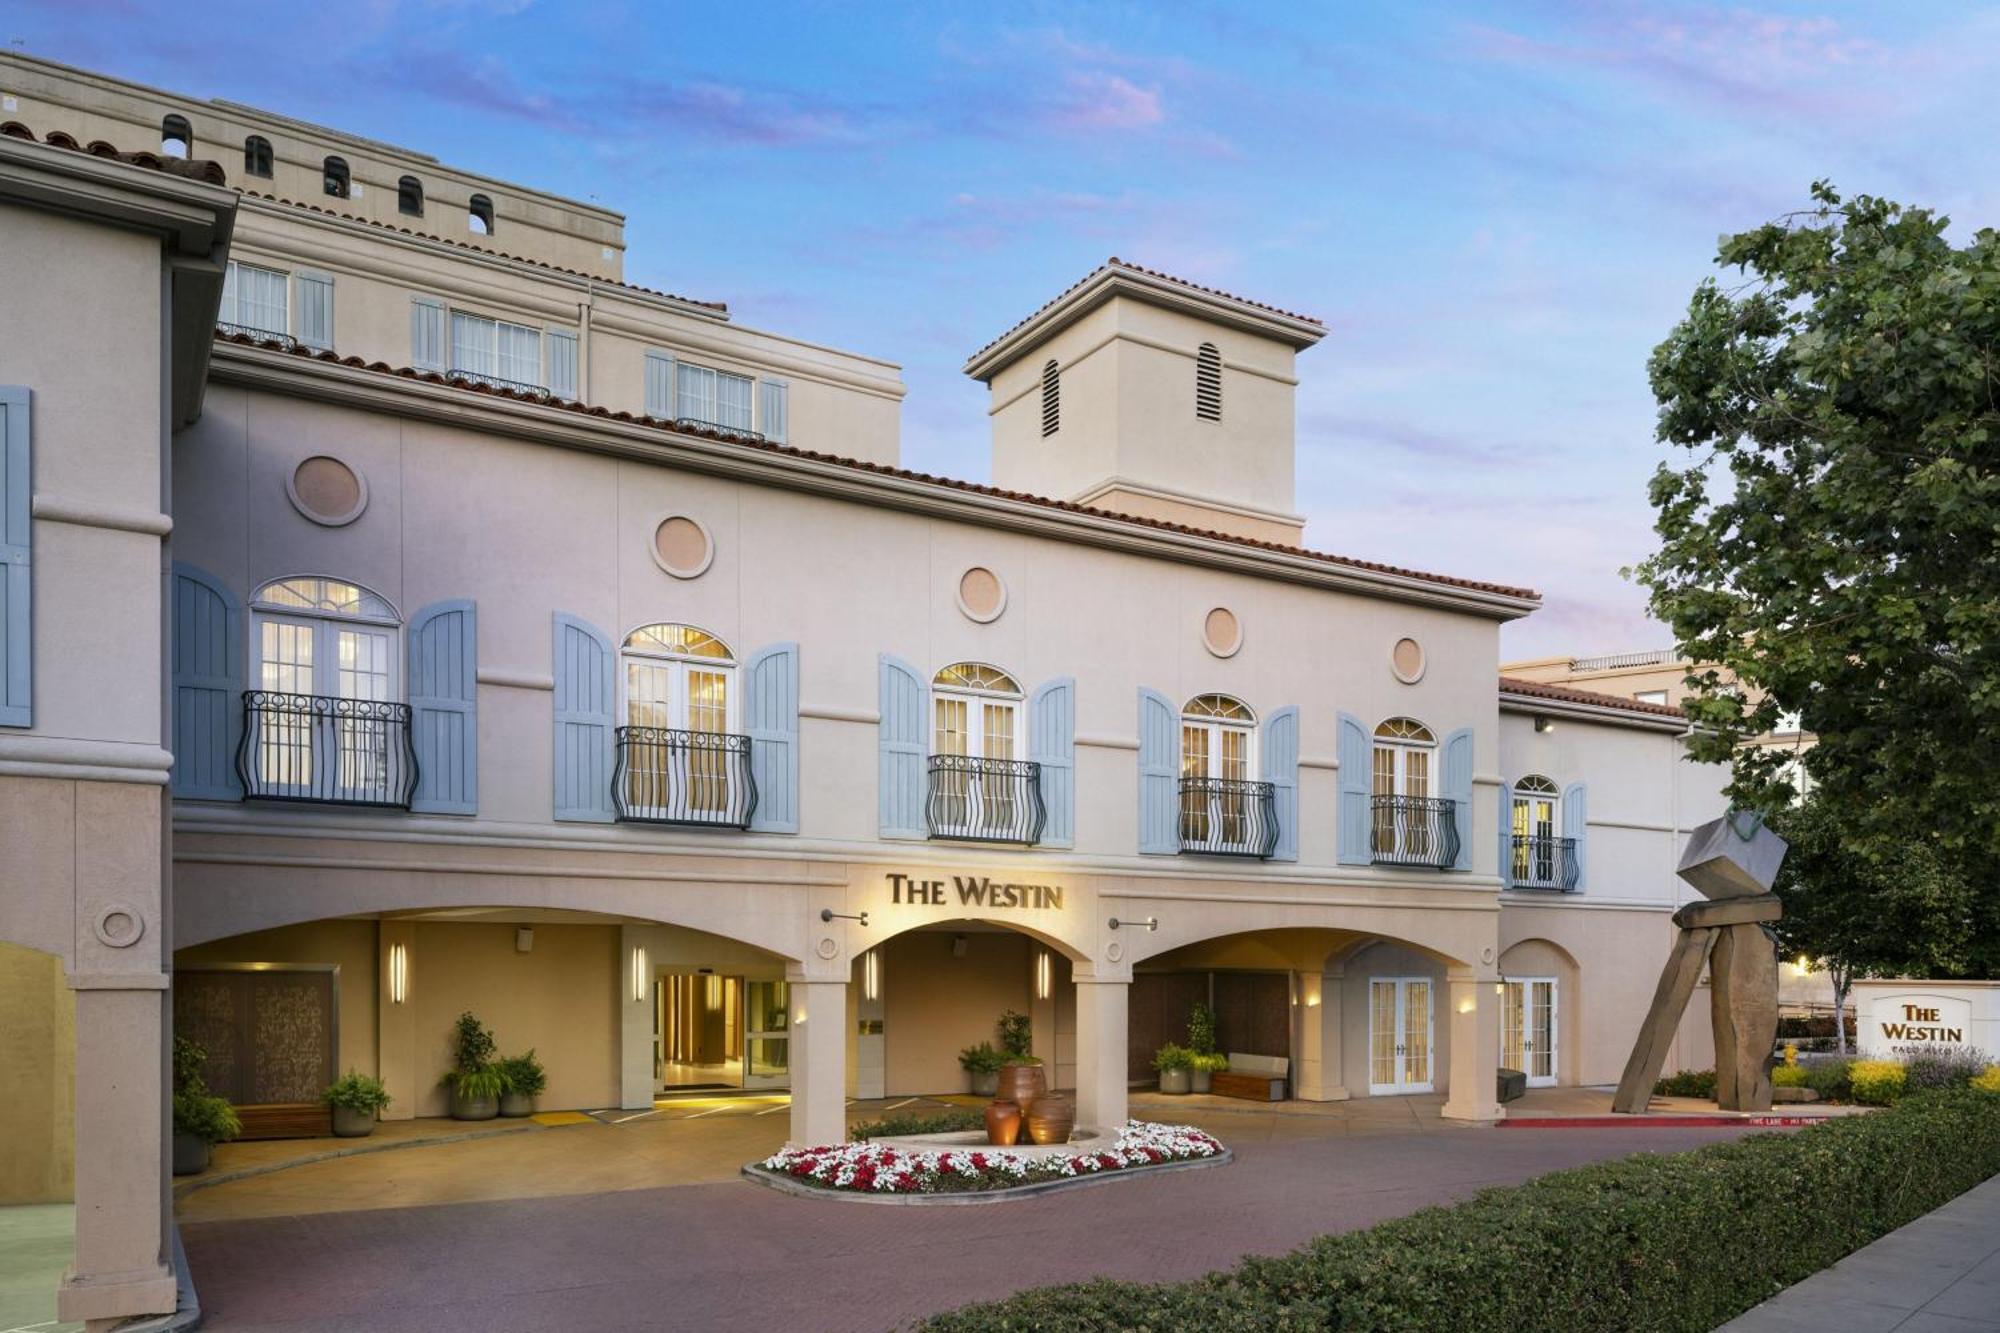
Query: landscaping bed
pixel 870 1169
pixel 1668 1243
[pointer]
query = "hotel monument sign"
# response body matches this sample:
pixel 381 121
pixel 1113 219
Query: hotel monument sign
pixel 1894 1018
pixel 981 894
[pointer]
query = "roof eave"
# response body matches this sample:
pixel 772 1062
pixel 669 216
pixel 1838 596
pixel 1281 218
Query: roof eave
pixel 1513 702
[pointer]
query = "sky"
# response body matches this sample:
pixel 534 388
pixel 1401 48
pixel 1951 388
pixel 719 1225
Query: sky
pixel 1497 209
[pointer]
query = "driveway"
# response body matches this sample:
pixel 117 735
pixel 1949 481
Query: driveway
pixel 727 1254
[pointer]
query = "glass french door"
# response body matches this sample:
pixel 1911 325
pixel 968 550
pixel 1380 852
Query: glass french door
pixel 1401 770
pixel 767 1034
pixel 972 802
pixel 1399 1035
pixel 676 696
pixel 1214 815
pixel 301 656
pixel 1534 843
pixel 1528 1028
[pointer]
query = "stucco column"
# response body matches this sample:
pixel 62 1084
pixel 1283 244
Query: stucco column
pixel 819 1062
pixel 1475 1047
pixel 1100 1051
pixel 1318 1076
pixel 396 1017
pixel 635 1018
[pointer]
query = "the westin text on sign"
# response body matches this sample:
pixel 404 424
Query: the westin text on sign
pixel 974 891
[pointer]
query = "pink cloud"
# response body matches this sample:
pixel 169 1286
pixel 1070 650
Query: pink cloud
pixel 1097 101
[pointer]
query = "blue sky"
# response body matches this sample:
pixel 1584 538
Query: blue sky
pixel 1498 209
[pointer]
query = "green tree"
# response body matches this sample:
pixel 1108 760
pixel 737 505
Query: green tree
pixel 1833 538
pixel 1857 915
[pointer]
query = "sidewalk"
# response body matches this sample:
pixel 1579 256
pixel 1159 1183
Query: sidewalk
pixel 1939 1274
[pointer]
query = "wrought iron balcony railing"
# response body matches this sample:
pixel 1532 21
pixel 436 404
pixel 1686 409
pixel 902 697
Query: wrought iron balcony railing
pixel 497 382
pixel 285 340
pixel 1542 862
pixel 1413 831
pixel 312 747
pixel 985 800
pixel 665 776
pixel 1228 817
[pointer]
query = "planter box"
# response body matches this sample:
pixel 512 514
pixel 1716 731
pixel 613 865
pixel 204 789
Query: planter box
pixel 474 1108
pixel 1176 1080
pixel 349 1123
pixel 190 1154
pixel 514 1105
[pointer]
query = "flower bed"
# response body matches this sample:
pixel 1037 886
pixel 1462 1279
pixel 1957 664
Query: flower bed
pixel 865 1168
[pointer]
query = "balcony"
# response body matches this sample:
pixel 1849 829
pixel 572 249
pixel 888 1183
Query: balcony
pixel 1413 831
pixel 1228 817
pixel 1544 863
pixel 284 340
pixel 985 800
pixel 311 747
pixel 497 382
pixel 700 778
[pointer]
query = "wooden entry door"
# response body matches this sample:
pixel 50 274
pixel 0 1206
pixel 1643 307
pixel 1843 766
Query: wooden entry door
pixel 269 1033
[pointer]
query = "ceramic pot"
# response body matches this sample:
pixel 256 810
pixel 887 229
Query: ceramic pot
pixel 1052 1119
pixel 1175 1080
pixel 1003 1124
pixel 350 1123
pixel 1021 1084
pixel 986 1084
pixel 473 1108
pixel 190 1154
pixel 516 1104
pixel 1198 1079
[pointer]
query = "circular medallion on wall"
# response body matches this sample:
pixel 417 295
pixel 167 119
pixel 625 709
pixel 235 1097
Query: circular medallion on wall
pixel 981 594
pixel 119 925
pixel 1114 951
pixel 826 948
pixel 682 547
pixel 1406 659
pixel 1222 632
pixel 327 491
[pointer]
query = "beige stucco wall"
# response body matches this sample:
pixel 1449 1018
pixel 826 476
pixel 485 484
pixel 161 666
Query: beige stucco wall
pixel 937 1004
pixel 38 1050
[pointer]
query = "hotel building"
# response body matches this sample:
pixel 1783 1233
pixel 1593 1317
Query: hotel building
pixel 404 615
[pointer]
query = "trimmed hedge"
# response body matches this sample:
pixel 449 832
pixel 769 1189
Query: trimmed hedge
pixel 1656 1243
pixel 902 1126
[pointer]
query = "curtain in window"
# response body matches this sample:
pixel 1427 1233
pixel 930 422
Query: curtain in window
pixel 732 402
pixel 260 300
pixel 695 395
pixel 520 354
pixel 473 344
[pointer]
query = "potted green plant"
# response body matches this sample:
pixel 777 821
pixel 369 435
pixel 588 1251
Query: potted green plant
pixel 1203 1067
pixel 1021 1076
pixel 355 1100
pixel 522 1079
pixel 1201 1046
pixel 201 1119
pixel 1175 1065
pixel 982 1062
pixel 474 1083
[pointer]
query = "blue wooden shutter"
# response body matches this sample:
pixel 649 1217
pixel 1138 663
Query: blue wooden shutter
pixel 1576 822
pixel 444 708
pixel 16 587
pixel 314 301
pixel 1356 756
pixel 1159 774
pixel 562 363
pixel 771 410
pixel 1281 770
pixel 1506 835
pixel 904 747
pixel 208 687
pixel 771 716
pixel 1052 744
pixel 586 695
pixel 427 333
pixel 660 386
pixel 1458 790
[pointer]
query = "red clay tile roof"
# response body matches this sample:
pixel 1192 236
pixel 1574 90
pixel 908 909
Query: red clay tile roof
pixel 879 469
pixel 197 169
pixel 1118 264
pixel 717 306
pixel 1566 694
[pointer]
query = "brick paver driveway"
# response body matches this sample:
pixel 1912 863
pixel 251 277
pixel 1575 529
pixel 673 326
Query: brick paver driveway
pixel 731 1255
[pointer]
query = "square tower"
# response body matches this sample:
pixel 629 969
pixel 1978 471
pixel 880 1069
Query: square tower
pixel 1144 394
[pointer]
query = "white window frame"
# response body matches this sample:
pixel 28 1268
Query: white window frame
pixel 1405 844
pixel 678 665
pixel 231 312
pixel 687 375
pixel 1400 1038
pixel 1524 1010
pixel 1651 697
pixel 983 809
pixel 491 374
pixel 1222 822
pixel 706 776
pixel 1522 822
pixel 325 628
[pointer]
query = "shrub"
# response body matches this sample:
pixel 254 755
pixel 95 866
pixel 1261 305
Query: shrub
pixel 1877 1082
pixel 471 1044
pixel 356 1092
pixel 1988 1081
pixel 1648 1243
pixel 1831 1079
pixel 1213 1062
pixel 1201 1029
pixel 902 1126
pixel 475 1085
pixel 980 1059
pixel 206 1116
pixel 1687 1083
pixel 1789 1076
pixel 1928 1068
pixel 523 1075
pixel 1017 1036
pixel 1171 1056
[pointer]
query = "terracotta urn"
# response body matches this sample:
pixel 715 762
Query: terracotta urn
pixel 1052 1119
pixel 1021 1084
pixel 1003 1124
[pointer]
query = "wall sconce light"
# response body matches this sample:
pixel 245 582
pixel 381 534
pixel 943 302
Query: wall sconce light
pixel 1044 974
pixel 639 970
pixel 871 976
pixel 829 915
pixel 399 974
pixel 1150 923
pixel 1544 725
pixel 524 939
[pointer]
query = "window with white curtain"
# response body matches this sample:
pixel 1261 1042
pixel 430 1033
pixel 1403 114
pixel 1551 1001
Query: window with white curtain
pixel 713 396
pixel 495 349
pixel 254 298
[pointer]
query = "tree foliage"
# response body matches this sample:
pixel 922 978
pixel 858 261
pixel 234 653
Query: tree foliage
pixel 1832 538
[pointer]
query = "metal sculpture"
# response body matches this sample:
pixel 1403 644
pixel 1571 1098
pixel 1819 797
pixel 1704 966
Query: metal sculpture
pixel 1733 862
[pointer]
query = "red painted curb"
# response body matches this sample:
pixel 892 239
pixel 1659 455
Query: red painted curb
pixel 1663 1121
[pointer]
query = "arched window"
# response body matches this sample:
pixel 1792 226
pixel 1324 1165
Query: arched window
pixel 323 721
pixel 1208 383
pixel 1051 398
pixel 176 137
pixel 1537 851
pixel 410 197
pixel 680 759
pixel 975 791
pixel 1406 825
pixel 337 182
pixel 257 156
pixel 1218 736
pixel 479 216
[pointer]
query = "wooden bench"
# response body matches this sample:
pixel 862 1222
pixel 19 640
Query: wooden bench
pixel 285 1120
pixel 1257 1078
